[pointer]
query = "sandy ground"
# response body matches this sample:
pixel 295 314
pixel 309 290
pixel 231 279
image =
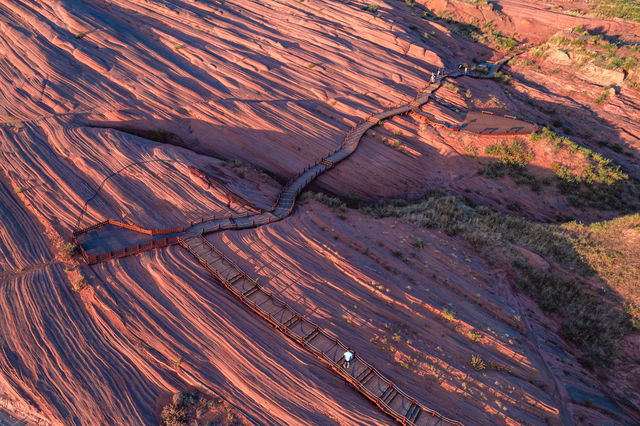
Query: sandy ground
pixel 274 85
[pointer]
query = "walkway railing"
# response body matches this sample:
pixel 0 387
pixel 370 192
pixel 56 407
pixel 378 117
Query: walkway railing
pixel 366 379
pixel 322 344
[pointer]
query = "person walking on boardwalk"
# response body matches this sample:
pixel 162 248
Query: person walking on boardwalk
pixel 348 356
pixel 433 78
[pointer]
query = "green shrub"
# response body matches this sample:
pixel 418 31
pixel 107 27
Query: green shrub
pixel 477 363
pixel 78 284
pixel 332 202
pixel 630 62
pixel 475 335
pixel 397 253
pixel 625 9
pixel 68 249
pixel 501 77
pixel 178 412
pixel 616 63
pixel 353 200
pixel 579 29
pixel 449 315
pixel 514 153
pixel 599 170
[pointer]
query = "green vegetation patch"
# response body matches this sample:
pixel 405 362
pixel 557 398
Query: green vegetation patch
pixel 513 153
pixel 68 249
pixel 598 168
pixel 188 408
pixel 513 157
pixel 625 9
pixel 612 249
pixel 597 183
pixel 594 320
pixel 584 49
pixel 485 32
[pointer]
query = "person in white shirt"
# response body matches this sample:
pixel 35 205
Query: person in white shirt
pixel 348 356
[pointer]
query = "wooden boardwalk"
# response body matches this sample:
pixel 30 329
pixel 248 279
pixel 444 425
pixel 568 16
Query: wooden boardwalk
pixel 325 346
pixel 328 348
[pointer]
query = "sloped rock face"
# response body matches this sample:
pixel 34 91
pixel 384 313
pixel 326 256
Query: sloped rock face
pixel 601 76
pixel 249 86
pixel 559 57
pixel 589 72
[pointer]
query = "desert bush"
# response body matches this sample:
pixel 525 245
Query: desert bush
pixel 397 253
pixel 623 196
pixel 614 259
pixel 177 413
pixel 332 202
pixel 393 143
pixel 599 184
pixel 477 363
pixel 78 284
pixel 17 190
pixel 418 243
pixel 625 9
pixel 501 77
pixel 68 249
pixel 514 153
pixel 448 314
pixel 353 200
pixel 475 335
pixel 615 63
pixel 451 86
pixel 187 408
pixel 518 173
pixel 579 29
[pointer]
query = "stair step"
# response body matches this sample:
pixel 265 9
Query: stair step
pixel 291 321
pixel 250 291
